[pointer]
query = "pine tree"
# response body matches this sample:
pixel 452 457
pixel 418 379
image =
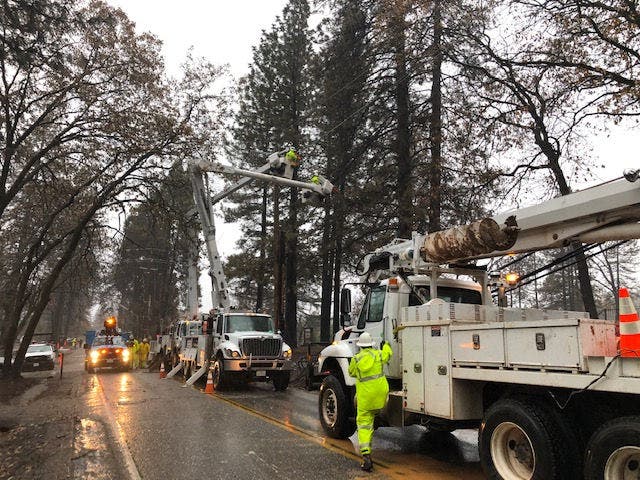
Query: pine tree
pixel 275 99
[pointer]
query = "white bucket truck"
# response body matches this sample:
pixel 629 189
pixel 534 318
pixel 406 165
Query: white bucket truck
pixel 551 395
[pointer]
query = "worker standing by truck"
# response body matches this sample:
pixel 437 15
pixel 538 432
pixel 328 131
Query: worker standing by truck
pixel 144 353
pixel 135 350
pixel 371 390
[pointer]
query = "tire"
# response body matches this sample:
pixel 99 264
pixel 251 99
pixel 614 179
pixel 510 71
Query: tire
pixel 220 377
pixel 522 440
pixel 335 409
pixel 613 451
pixel 281 381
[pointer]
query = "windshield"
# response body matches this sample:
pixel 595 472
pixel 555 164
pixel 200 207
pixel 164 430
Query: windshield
pixel 39 348
pixel 108 341
pixel 249 323
pixel 448 294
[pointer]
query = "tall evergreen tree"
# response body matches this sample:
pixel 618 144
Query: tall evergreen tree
pixel 276 93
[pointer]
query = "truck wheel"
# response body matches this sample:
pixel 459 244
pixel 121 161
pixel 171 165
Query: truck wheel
pixel 220 378
pixel 335 409
pixel 613 452
pixel 522 440
pixel 281 381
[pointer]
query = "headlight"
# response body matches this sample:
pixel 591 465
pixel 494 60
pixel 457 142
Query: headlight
pixel 231 353
pixel 94 356
pixel 125 354
pixel 287 353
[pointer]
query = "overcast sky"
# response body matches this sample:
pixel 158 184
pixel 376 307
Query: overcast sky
pixel 224 31
pixel 221 30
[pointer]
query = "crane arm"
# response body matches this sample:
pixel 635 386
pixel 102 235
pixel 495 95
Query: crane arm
pixel 278 169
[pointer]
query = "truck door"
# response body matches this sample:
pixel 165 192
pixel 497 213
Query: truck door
pixel 217 336
pixel 371 314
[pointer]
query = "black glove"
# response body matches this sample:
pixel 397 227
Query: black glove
pixel 382 344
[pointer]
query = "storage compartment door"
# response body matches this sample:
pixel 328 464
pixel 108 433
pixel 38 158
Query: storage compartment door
pixel 437 371
pixel 413 368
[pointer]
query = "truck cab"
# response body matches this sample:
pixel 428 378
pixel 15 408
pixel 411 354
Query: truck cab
pixel 380 315
pixel 246 347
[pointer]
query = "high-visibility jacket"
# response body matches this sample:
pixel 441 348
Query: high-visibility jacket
pixel 371 385
pixel 144 351
pixel 136 347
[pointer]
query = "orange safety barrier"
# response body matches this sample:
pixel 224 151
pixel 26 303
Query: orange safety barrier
pixel 629 326
pixel 209 388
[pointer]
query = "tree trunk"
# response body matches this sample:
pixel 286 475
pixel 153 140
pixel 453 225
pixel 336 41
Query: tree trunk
pixel 277 260
pixel 263 253
pixel 584 277
pixel 338 232
pixel 328 255
pixel 291 274
pixel 435 126
pixel 402 147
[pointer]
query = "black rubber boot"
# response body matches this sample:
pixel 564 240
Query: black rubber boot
pixel 366 464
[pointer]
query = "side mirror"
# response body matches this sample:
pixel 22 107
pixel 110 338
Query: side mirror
pixel 345 307
pixel 345 300
pixel 362 323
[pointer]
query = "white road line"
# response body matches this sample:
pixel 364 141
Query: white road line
pixel 118 435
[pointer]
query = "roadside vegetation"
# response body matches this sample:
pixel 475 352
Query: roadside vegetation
pixel 423 113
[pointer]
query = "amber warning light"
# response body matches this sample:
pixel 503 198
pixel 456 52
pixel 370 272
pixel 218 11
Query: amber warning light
pixel 110 322
pixel 512 278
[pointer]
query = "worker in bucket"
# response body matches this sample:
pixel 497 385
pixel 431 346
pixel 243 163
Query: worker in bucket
pixel 371 390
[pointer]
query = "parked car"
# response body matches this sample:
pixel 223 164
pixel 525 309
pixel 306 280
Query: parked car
pixel 39 356
pixel 107 351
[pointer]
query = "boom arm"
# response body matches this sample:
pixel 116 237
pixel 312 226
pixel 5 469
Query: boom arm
pixel 279 169
pixel 610 211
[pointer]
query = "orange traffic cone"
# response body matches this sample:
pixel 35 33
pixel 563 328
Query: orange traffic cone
pixel 209 388
pixel 163 374
pixel 629 326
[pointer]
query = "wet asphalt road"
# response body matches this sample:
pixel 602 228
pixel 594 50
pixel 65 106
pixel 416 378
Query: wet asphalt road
pixel 256 433
pixel 398 452
pixel 181 433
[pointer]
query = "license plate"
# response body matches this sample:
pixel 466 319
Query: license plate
pixel 261 373
pixel 109 360
pixel 36 364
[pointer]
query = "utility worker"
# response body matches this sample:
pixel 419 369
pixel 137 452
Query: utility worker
pixel 371 390
pixel 135 350
pixel 144 353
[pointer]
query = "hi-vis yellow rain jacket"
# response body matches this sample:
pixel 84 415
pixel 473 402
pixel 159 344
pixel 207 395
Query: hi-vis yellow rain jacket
pixel 371 385
pixel 371 390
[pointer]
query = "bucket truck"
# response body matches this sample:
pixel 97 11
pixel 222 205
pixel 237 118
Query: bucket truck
pixel 549 391
pixel 233 344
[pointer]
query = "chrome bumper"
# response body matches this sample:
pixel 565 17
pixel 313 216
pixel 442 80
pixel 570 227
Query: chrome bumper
pixel 257 364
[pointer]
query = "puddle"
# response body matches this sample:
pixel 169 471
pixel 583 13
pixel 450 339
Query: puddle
pixel 91 452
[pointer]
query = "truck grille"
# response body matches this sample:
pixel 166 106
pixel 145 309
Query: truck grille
pixel 262 347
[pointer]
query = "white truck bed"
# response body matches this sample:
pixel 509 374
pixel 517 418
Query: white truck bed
pixel 450 350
